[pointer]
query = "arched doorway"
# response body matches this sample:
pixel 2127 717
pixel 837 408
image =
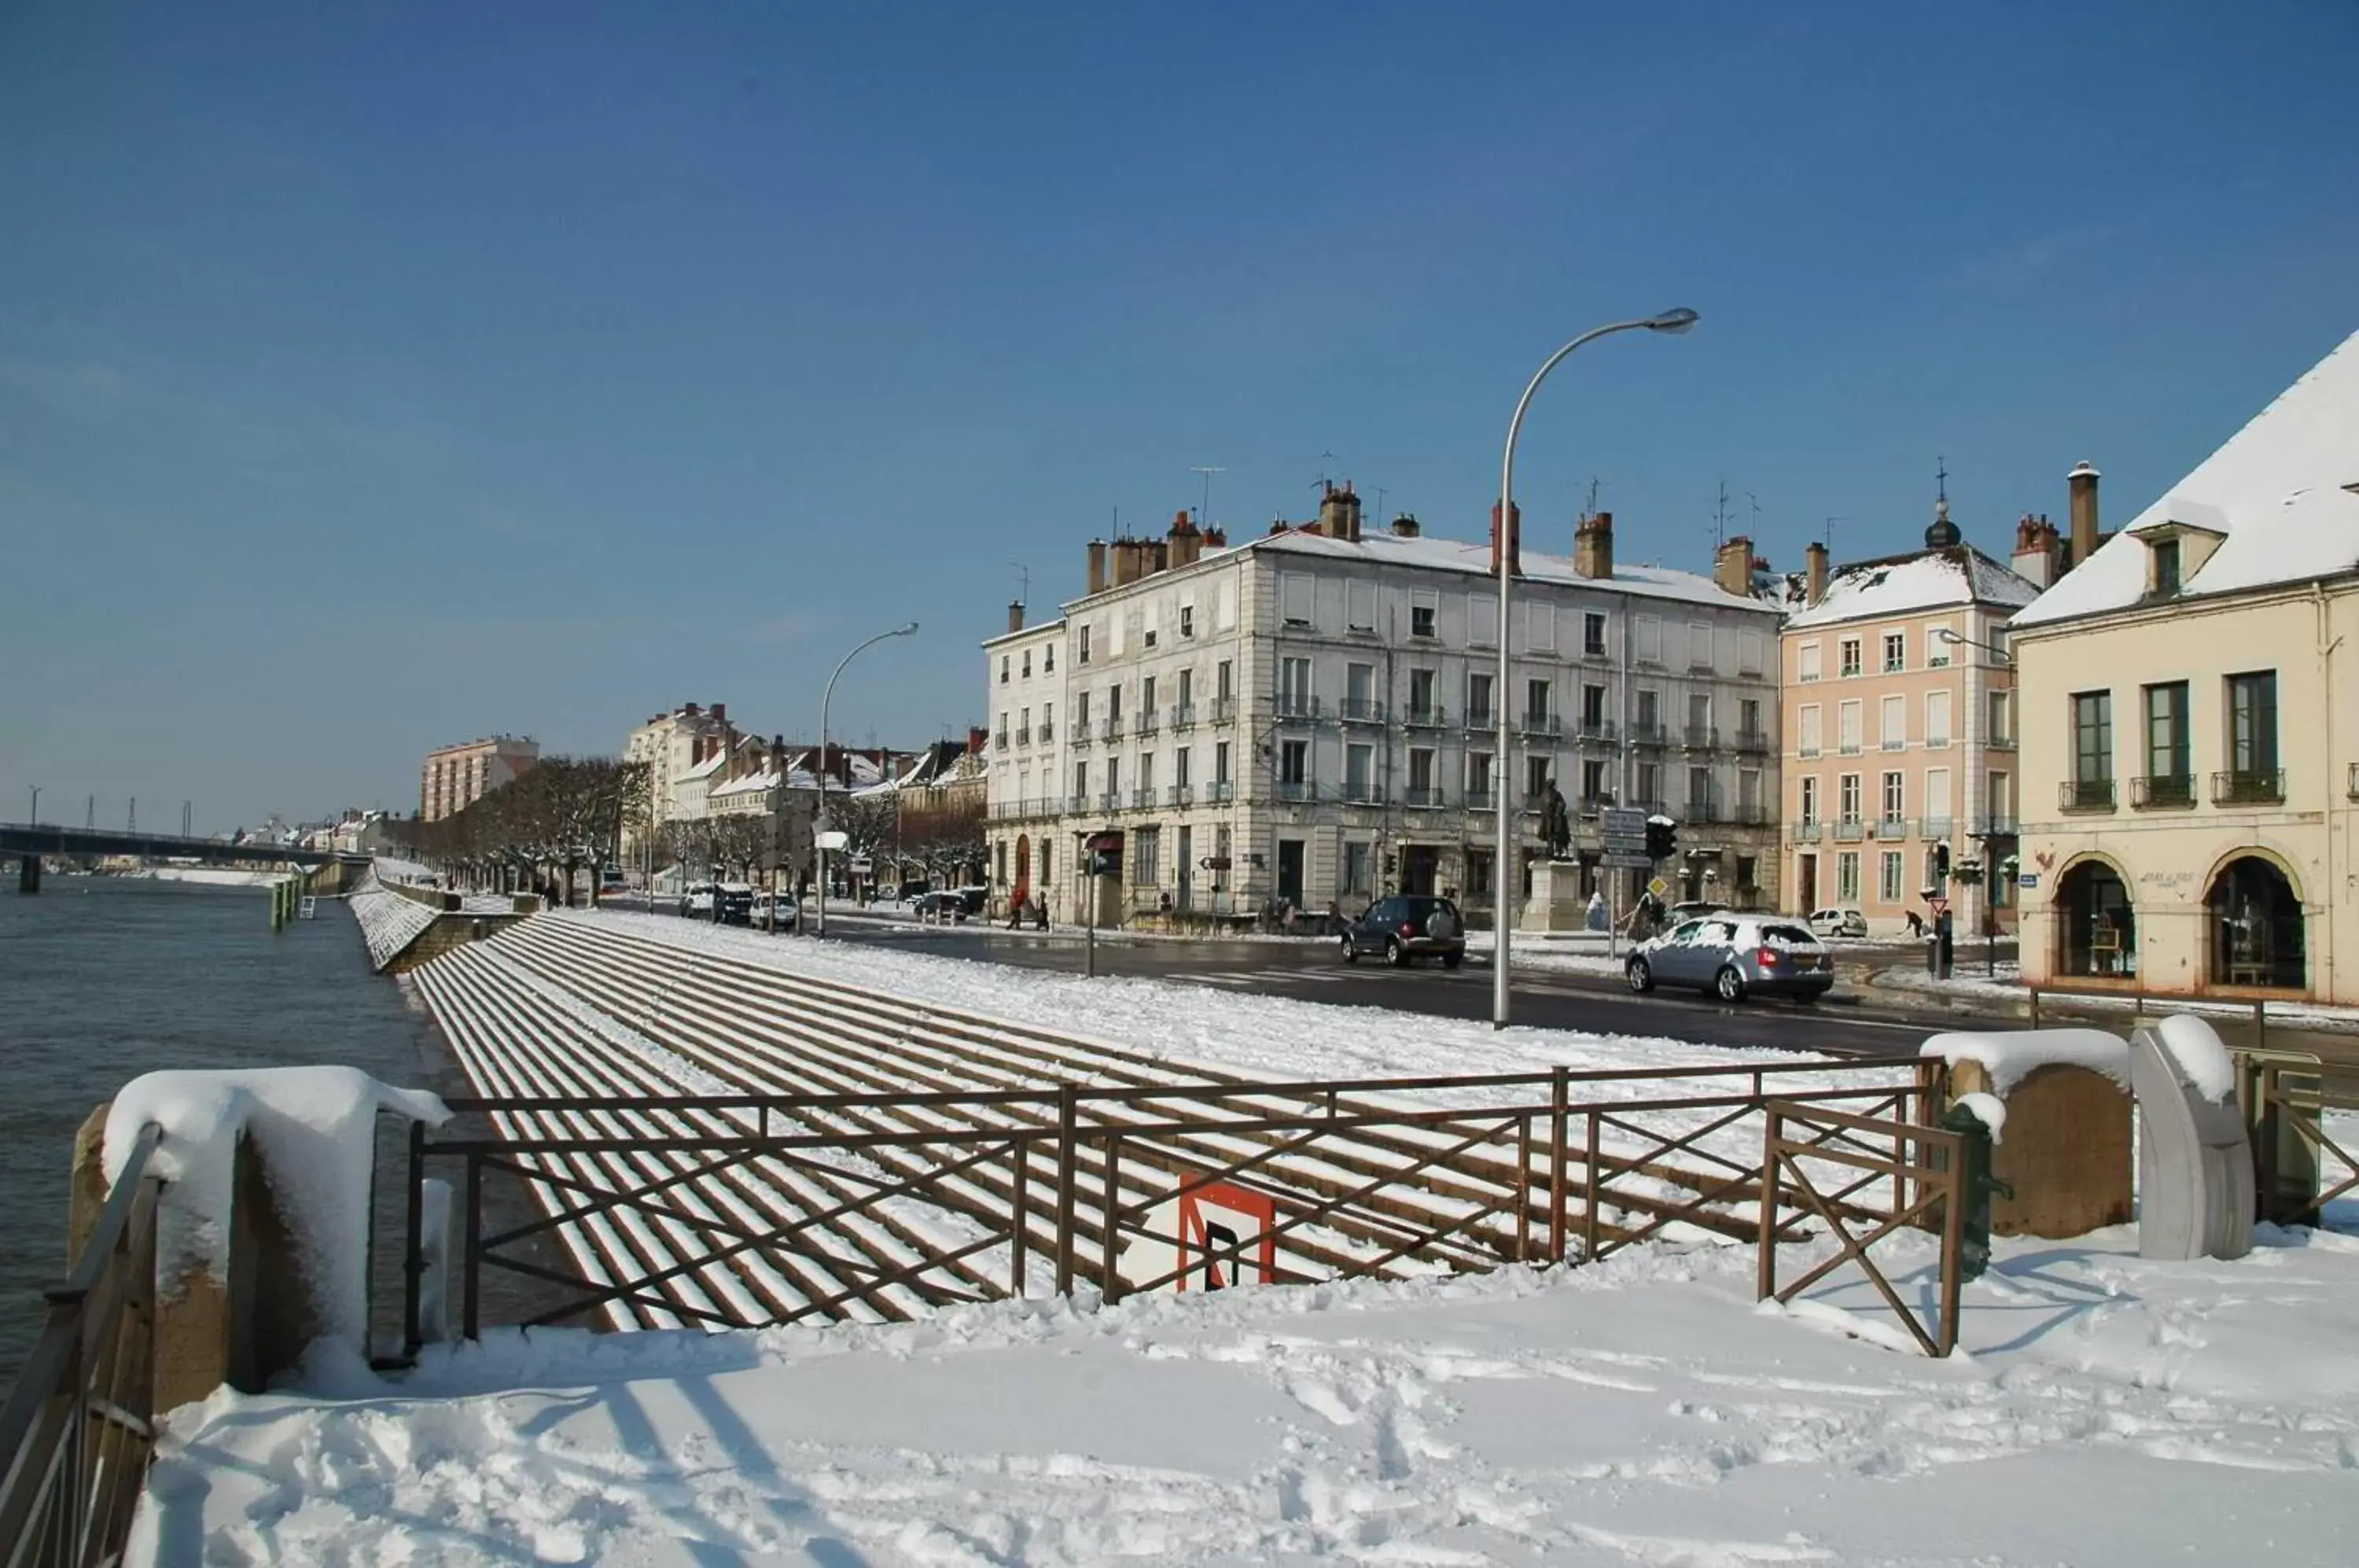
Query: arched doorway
pixel 2256 926
pixel 2097 930
pixel 1023 894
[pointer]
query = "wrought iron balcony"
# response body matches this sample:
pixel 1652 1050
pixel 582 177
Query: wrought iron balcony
pixel 1363 793
pixel 1046 733
pixel 2085 795
pixel 1704 811
pixel 1425 795
pixel 1297 790
pixel 1183 715
pixel 1752 740
pixel 1751 816
pixel 1077 804
pixel 2248 787
pixel 1997 827
pixel 1023 738
pixel 1592 805
pixel 1110 800
pixel 1702 737
pixel 1429 717
pixel 1141 799
pixel 1081 734
pixel 1224 790
pixel 1540 724
pixel 1898 827
pixel 1179 795
pixel 1482 719
pixel 1144 724
pixel 1933 827
pixel 1647 733
pixel 1597 729
pixel 1805 833
pixel 2151 792
pixel 1850 829
pixel 1000 740
pixel 1224 710
pixel 1110 729
pixel 1296 708
pixel 1362 710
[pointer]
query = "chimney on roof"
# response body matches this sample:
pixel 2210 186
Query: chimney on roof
pixel 1405 526
pixel 1514 543
pixel 1339 512
pixel 2037 548
pixel 1015 615
pixel 1097 566
pixel 1184 543
pixel 1593 546
pixel 2082 483
pixel 690 709
pixel 1731 567
pixel 721 712
pixel 975 736
pixel 1814 572
pixel 1216 539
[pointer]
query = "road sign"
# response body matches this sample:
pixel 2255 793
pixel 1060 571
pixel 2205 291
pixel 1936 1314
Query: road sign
pixel 1626 843
pixel 1214 1234
pixel 1625 860
pixel 1939 906
pixel 1659 887
pixel 2028 879
pixel 1628 822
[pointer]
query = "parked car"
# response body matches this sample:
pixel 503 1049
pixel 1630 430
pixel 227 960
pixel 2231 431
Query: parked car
pixel 974 897
pixel 1695 909
pixel 788 912
pixel 736 903
pixel 1838 922
pixel 1408 926
pixel 943 903
pixel 1734 956
pixel 696 900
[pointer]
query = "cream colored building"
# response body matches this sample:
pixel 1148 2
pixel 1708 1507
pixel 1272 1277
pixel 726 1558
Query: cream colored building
pixel 671 745
pixel 1899 734
pixel 2191 748
pixel 456 776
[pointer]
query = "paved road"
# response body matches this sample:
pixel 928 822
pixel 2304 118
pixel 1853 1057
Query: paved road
pixel 1311 972
pixel 1843 1024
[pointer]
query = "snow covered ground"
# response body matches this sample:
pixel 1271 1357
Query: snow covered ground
pixel 208 876
pixel 1639 1413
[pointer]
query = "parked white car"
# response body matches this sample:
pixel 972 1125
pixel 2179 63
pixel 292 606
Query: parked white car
pixel 1838 922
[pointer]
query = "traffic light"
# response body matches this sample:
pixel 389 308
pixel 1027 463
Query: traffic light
pixel 1942 862
pixel 1104 853
pixel 1662 838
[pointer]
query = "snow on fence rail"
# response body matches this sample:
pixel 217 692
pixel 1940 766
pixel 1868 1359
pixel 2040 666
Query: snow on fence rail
pixel 716 1141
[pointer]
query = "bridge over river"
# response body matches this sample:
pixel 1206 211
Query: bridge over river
pixel 31 840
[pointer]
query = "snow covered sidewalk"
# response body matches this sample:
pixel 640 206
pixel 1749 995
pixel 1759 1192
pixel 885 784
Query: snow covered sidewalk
pixel 1641 1412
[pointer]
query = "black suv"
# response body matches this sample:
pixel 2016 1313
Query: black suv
pixel 1408 926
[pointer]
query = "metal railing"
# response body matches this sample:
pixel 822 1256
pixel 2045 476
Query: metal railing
pixel 1540 725
pixel 2248 787
pixel 1700 737
pixel 1109 728
pixel 1179 795
pixel 1425 795
pixel 1752 740
pixel 1805 833
pixel 1933 827
pixel 1850 829
pixel 1183 715
pixel 1346 1178
pixel 1482 719
pixel 1142 797
pixel 2084 795
pixel 1646 732
pixel 77 1428
pixel 1221 789
pixel 1224 710
pixel 1143 723
pixel 1362 710
pixel 1297 790
pixel 1297 709
pixel 1427 717
pixel 2151 789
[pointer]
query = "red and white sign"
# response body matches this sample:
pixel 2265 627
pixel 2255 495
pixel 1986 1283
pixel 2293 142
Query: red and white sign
pixel 1209 1238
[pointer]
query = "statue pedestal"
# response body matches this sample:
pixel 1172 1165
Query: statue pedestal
pixel 1557 903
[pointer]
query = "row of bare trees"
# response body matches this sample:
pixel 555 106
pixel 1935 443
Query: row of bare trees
pixel 564 816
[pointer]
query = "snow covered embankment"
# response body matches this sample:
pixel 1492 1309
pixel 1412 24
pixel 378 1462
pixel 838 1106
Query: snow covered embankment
pixel 389 922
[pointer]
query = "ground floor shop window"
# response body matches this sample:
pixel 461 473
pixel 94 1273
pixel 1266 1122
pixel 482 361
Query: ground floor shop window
pixel 2099 928
pixel 2255 927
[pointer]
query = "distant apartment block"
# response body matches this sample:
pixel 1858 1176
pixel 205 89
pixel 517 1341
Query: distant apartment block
pixel 455 776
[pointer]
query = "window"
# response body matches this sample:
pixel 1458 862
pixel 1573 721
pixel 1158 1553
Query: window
pixel 1220 762
pixel 1699 719
pixel 1649 778
pixel 1539 627
pixel 1896 797
pixel 1748 791
pixel 1359 766
pixel 2166 567
pixel 1147 697
pixel 1849 799
pixel 1421 770
pixel 1082 710
pixel 1114 704
pixel 1807 730
pixel 1895 652
pixel 1650 639
pixel 1187 620
pixel 1848 717
pixel 1027 664
pixel 1481 620
pixel 1937 801
pixel 1081 778
pixel 1359 605
pixel 2001 718
pixel 2093 737
pixel 1698 645
pixel 1180 770
pixel 1224 682
pixel 1810 802
pixel 1146 770
pixel 1478 777
pixel 1081 651
pixel 1593 635
pixel 1937 718
pixel 1893 723
pixel 1478 700
pixel 1114 776
pixel 1049 660
pixel 1593 786
pixel 1356 867
pixel 1420 620
pixel 1359 691
pixel 1478 874
pixel 1294 687
pixel 2002 802
pixel 1806 661
pixel 1294 598
pixel 1535 702
pixel 1422 708
pixel 1147 856
pixel 1847 877
pixel 1593 709
pixel 1851 656
pixel 1187 695
pixel 1294 762
pixel 1002 669
pixel 1651 713
pixel 1749 716
pixel 2253 722
pixel 1888 876
pixel 1700 800
pixel 2167 782
pixel 1938 645
pixel 1538 771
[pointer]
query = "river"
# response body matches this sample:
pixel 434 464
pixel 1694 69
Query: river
pixel 105 978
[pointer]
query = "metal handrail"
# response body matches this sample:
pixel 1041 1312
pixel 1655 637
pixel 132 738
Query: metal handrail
pixel 77 1431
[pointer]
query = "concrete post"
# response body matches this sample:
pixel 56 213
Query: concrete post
pixel 28 874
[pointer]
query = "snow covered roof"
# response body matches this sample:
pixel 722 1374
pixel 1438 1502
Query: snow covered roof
pixel 1923 580
pixel 2284 492
pixel 1473 559
pixel 756 782
pixel 705 769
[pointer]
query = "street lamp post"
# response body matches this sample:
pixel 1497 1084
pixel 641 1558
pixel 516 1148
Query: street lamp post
pixel 1678 320
pixel 820 830
pixel 2001 660
pixel 36 805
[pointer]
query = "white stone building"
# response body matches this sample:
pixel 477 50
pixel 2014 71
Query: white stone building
pixel 1311 717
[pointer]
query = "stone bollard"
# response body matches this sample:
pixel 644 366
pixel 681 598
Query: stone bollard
pixel 2066 1149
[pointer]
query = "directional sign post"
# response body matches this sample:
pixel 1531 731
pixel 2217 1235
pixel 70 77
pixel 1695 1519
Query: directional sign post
pixel 1625 859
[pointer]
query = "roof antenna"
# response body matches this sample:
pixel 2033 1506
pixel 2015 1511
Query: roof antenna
pixel 1831 532
pixel 1594 485
pixel 1204 512
pixel 1023 576
pixel 1756 502
pixel 1720 517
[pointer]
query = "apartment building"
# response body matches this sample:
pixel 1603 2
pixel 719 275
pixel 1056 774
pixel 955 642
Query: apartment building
pixel 1311 717
pixel 671 745
pixel 1899 738
pixel 455 776
pixel 2190 750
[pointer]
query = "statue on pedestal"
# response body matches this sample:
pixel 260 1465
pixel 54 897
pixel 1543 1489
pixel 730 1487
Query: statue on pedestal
pixel 1556 824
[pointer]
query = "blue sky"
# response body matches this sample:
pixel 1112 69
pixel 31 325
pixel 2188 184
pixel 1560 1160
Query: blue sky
pixel 374 378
